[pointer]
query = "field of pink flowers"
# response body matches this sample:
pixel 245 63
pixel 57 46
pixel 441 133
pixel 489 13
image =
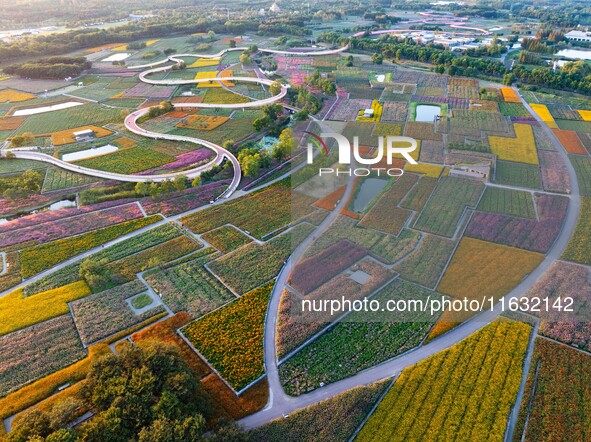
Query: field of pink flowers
pixel 529 234
pixel 347 110
pixel 554 173
pixel 149 91
pixel 178 202
pixel 184 160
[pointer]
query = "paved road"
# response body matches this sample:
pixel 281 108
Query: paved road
pixel 281 404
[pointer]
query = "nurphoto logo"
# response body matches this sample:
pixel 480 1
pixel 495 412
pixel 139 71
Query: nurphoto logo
pixel 388 146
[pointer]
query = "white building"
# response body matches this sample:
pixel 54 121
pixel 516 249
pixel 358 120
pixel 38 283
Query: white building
pixel 84 135
pixel 578 36
pixel 275 8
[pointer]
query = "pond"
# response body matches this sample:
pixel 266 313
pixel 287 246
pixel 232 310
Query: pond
pixel 427 112
pixel 268 142
pixel 575 54
pixel 370 189
pixel 89 153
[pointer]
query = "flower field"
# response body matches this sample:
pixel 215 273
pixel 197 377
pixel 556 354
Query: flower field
pixel 578 246
pixel 429 170
pixel 252 265
pixel 67 136
pixel 444 209
pixel 348 109
pixel 213 74
pixel 58 179
pixel 204 63
pixel 12 276
pixel 29 354
pixel 426 265
pixel 508 202
pixel 202 122
pixel 38 258
pixel 145 90
pixel 311 273
pixel 421 131
pixel 462 88
pixel 259 213
pixel 464 392
pixel 483 120
pixel 127 161
pixel 530 234
pixel 355 344
pixel 582 167
pixel 226 238
pixel 560 404
pixel 509 95
pixel 520 175
pixel 293 329
pixel 190 287
pixel 332 420
pixel 521 149
pixel 187 200
pixel 571 142
pixel 74 225
pixel 544 114
pixel 555 176
pixel 585 115
pixel 385 216
pixel 483 269
pixel 377 108
pixel 394 111
pixel 513 109
pixel 13 96
pixel 10 124
pixel 18 311
pixel 231 338
pixel 219 95
pixel 106 313
pixel 419 194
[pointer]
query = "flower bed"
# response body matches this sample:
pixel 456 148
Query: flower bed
pixel 226 238
pixel 29 354
pixel 18 311
pixel 478 378
pixel 106 313
pixel 542 111
pixel 202 122
pixel 187 200
pixel 38 258
pixel 514 109
pixel 422 131
pixel 483 120
pixel 231 338
pixel 555 176
pixel 61 228
pixel 419 194
pixel 127 161
pixel 509 95
pixel 571 142
pixel 190 287
pixel 521 149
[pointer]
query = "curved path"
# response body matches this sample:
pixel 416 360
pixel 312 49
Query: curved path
pixel 281 404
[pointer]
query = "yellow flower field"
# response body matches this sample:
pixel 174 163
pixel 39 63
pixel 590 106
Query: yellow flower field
pixel 203 122
pixel 585 114
pixel 205 62
pixel 544 114
pixel 377 112
pixel 102 48
pixel 430 170
pixel 521 149
pixel 125 142
pixel 213 75
pixel 18 311
pixel 151 42
pixel 13 96
pixel 509 95
pixel 67 136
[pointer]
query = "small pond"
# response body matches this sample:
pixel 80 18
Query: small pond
pixel 427 112
pixel 370 189
pixel 268 142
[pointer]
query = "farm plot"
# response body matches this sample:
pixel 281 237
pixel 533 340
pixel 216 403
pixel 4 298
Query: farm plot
pixel 34 352
pixel 571 142
pixel 419 194
pixel 529 234
pixel 58 179
pixel 189 286
pixel 385 216
pixel 578 247
pixel 202 122
pixel 563 280
pixel 258 213
pixel 509 95
pixel 508 202
pixel 363 130
pixel 432 151
pixel 426 265
pixel 187 200
pixel 559 409
pixel 295 326
pixel 252 265
pixel 446 205
pixel 226 238
pixel 422 131
pixel 483 120
pixel 542 111
pixel 462 88
pixel 519 175
pixel 543 142
pixel 12 96
pixel 466 391
pixel 12 276
pixel 355 344
pixel 233 129
pixel 582 167
pixel 311 273
pixel 127 161
pixel 521 149
pixel 18 311
pixel 555 177
pixel 348 109
pixel 428 170
pixel 38 258
pixel 231 338
pixel 10 124
pixel 216 96
pixel 145 90
pixel 513 109
pixel 483 269
pixel 88 114
pixel 106 313
pixel 387 129
pixel 484 105
pixel 332 420
pixel 394 111
pixel 562 112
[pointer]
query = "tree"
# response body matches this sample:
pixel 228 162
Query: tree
pixel 142 188
pixel 349 60
pixel 172 430
pixel 29 424
pixel 96 273
pixel 245 58
pixel 261 123
pixel 155 190
pixel 377 58
pixel 275 87
pixel 228 145
pixel 285 145
pixel 196 181
pixel 180 182
pixel 232 43
pixel 211 35
pixel 62 435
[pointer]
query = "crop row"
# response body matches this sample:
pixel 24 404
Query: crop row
pixel 226 238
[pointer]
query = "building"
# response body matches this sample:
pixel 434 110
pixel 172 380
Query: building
pixel 368 113
pixel 275 8
pixel 84 135
pixel 480 171
pixel 578 36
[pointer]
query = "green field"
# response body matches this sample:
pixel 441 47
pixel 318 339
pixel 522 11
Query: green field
pixel 508 202
pixel 582 167
pixel 127 161
pixel 517 174
pixel 444 209
pixel 57 179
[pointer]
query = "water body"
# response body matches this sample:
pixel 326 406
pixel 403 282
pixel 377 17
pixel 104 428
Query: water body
pixel 575 54
pixel 370 189
pixel 427 112
pixel 89 153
